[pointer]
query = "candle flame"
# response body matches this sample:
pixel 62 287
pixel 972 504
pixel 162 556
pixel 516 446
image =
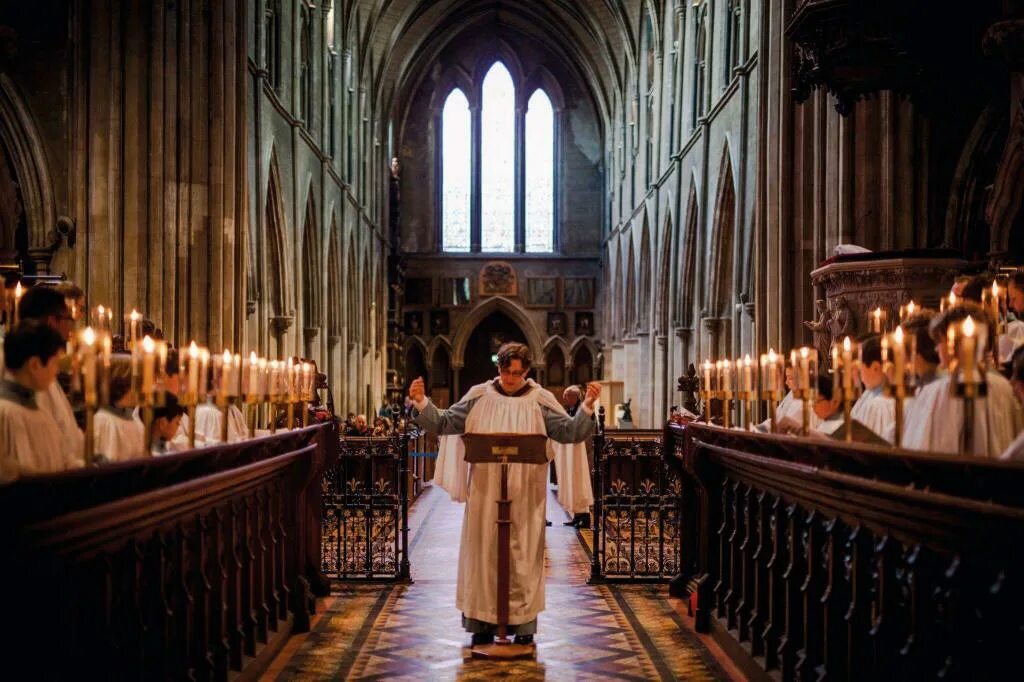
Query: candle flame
pixel 88 336
pixel 18 291
pixel 193 350
pixel 134 316
pixel 772 356
pixel 726 364
pixel 995 289
pixel 804 352
pixel 911 307
pixel 100 310
pixel 846 344
pixel 952 298
pixel 707 364
pixel 898 335
pixel 252 358
pixel 878 313
pixel 227 357
pixel 747 362
pixel 968 326
pixel 147 344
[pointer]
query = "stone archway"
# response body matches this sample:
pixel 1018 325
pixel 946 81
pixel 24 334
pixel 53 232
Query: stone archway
pixel 496 304
pixel 481 345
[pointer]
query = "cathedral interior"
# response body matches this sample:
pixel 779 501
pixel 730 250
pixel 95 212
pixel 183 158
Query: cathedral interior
pixel 393 189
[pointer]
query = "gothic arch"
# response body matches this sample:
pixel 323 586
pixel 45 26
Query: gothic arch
pixel 630 290
pixel 724 231
pixel 664 276
pixel 481 312
pixel 687 276
pixel 351 293
pixel 644 317
pixel 438 342
pixel 311 271
pixel 617 307
pixel 335 283
pixel 561 342
pixel 24 148
pixel 275 234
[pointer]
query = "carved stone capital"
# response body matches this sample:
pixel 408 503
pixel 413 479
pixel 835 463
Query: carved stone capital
pixel 310 333
pixel 280 324
pixel 333 341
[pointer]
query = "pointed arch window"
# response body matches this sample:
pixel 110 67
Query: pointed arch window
pixel 455 172
pixel 306 66
pixel 497 190
pixel 700 47
pixel 272 42
pixel 540 174
pixel 733 35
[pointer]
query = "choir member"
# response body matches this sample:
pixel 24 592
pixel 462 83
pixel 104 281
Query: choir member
pixel 828 408
pixel 31 441
pixel 167 436
pixel 789 411
pixel 873 409
pixel 119 433
pixel 938 413
pixel 1016 450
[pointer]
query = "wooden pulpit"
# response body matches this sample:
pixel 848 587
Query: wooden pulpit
pixel 505 449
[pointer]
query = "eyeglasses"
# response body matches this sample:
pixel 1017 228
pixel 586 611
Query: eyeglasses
pixel 513 372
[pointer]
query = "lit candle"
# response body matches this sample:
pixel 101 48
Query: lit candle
pixel 204 372
pixel 773 371
pixel 236 376
pixel 967 350
pixel 134 324
pixel 748 374
pixel 18 293
pixel 707 376
pixel 261 378
pixel 224 387
pixel 307 381
pixel 877 320
pixel 907 311
pixel 107 350
pixel 101 319
pixel 899 357
pixel 847 363
pixel 805 368
pixel 148 365
pixel 193 370
pixel 251 379
pixel 725 382
pixel 87 348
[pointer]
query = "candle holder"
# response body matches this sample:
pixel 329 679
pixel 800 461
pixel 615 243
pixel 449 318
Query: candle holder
pixel 968 376
pixel 772 380
pixel 196 370
pixel 144 372
pixel 725 391
pixel 899 375
pixel 253 388
pixel 805 377
pixel 92 372
pixel 226 371
pixel 707 389
pixel 845 386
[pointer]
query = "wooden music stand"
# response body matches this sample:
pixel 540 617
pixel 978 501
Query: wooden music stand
pixel 504 449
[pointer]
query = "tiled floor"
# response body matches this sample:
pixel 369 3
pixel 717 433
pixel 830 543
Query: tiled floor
pixel 412 632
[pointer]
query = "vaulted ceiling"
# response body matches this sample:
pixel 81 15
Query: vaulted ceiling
pixel 399 40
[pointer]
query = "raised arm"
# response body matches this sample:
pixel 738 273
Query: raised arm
pixel 442 422
pixel 565 429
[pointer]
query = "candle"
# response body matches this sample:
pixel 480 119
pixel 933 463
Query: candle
pixel 877 320
pixel 224 385
pixel 236 376
pixel 707 376
pixel 148 365
pixel 748 374
pixel 101 319
pixel 204 373
pixel 907 311
pixel 87 349
pixel 773 371
pixel 948 302
pixel 307 381
pixel 250 378
pixel 193 371
pixel 134 325
pixel 847 363
pixel 805 369
pixel 725 382
pixel 274 379
pixel 261 379
pixel 18 293
pixel 967 350
pixel 899 357
pixel 107 351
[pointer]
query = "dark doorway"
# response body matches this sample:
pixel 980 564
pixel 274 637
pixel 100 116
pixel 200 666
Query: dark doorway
pixel 483 343
pixel 415 366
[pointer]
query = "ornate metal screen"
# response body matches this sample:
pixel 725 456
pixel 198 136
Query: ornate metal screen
pixel 365 510
pixel 636 508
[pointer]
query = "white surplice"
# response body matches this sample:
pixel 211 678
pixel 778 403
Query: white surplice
pixel 936 421
pixel 1015 452
pixel 486 410
pixel 209 420
pixel 791 409
pixel 575 490
pixel 119 435
pixel 30 439
pixel 876 412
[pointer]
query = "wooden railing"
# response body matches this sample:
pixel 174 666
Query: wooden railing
pixel 821 559
pixel 197 565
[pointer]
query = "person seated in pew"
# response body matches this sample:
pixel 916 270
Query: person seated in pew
pixel 167 437
pixel 31 441
pixel 119 435
pixel 826 413
pixel 1016 450
pixel 937 421
pixel 925 365
pixel 873 409
pixel 790 407
pixel 210 421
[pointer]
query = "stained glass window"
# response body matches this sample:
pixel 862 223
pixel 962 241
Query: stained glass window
pixel 540 148
pixel 455 151
pixel 497 201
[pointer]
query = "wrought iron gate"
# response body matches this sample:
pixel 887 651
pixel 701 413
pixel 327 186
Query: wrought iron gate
pixel 366 510
pixel 636 508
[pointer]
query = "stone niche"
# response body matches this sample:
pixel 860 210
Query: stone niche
pixel 857 284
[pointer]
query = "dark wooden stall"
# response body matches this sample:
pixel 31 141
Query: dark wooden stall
pixel 827 560
pixel 197 565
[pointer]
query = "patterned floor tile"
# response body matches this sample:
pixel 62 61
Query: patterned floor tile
pixel 413 632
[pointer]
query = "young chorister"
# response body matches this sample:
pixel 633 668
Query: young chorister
pixel 873 409
pixel 1016 450
pixel 937 422
pixel 31 441
pixel 167 436
pixel 119 433
pixel 210 419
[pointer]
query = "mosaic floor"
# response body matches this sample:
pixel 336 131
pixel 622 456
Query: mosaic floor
pixel 412 632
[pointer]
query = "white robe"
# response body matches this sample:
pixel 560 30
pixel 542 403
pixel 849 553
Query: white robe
pixel 575 489
pixel 118 438
pixel 54 401
pixel 1011 340
pixel 479 484
pixel 876 412
pixel 30 442
pixel 936 421
pixel 790 408
pixel 209 421
pixel 1015 452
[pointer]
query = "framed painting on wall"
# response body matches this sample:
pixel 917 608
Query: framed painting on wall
pixel 578 292
pixel 542 292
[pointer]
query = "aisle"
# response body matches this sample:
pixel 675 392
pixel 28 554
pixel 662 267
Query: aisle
pixel 413 632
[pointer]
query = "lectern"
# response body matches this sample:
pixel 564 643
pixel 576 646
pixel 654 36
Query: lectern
pixel 505 449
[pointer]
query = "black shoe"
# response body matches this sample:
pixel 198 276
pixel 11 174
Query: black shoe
pixel 582 520
pixel 481 638
pixel 547 523
pixel 571 522
pixel 524 640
